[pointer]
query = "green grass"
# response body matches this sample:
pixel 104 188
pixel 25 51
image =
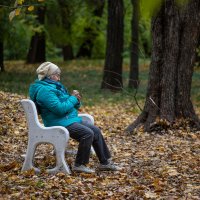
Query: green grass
pixel 86 76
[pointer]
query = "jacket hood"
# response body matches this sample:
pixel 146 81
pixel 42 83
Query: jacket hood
pixel 35 87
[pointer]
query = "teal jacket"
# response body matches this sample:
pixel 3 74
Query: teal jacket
pixel 57 106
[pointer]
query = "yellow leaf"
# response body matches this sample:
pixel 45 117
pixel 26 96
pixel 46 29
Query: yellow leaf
pixel 17 11
pixel 157 184
pixel 40 0
pixel 30 8
pixel 20 2
pixel 69 181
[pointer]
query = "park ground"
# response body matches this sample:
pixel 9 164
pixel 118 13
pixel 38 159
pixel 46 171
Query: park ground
pixel 163 165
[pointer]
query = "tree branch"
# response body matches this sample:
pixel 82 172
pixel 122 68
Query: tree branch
pixel 21 6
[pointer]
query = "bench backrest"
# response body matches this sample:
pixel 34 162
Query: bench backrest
pixel 31 113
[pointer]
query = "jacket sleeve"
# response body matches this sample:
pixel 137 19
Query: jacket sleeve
pixel 77 106
pixel 48 99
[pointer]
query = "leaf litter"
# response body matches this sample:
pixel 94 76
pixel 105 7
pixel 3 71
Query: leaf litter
pixel 153 166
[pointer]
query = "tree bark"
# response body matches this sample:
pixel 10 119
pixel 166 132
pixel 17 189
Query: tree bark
pixel 134 64
pixel 175 32
pixel 112 75
pixel 2 69
pixel 37 52
pixel 198 54
pixel 67 52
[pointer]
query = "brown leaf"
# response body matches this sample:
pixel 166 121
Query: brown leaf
pixel 12 165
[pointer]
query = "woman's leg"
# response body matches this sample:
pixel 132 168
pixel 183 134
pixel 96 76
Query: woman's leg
pixel 101 150
pixel 84 136
pixel 99 144
pixel 88 135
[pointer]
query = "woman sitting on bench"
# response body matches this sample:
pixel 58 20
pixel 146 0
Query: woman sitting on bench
pixel 59 108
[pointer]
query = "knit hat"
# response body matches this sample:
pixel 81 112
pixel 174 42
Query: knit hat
pixel 47 69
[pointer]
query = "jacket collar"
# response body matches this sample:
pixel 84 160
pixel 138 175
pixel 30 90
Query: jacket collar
pixel 58 85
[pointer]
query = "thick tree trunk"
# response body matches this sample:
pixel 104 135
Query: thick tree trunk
pixel 1 58
pixel 112 76
pixel 175 31
pixel 37 51
pixel 134 65
pixel 86 47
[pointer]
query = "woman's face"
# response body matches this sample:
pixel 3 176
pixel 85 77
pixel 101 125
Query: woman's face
pixel 55 77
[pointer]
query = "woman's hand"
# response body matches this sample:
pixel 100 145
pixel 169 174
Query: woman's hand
pixel 76 94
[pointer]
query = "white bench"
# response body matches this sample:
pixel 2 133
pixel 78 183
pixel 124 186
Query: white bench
pixel 58 136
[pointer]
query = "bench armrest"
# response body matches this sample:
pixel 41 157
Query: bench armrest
pixel 87 118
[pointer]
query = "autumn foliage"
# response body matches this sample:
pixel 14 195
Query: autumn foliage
pixel 154 166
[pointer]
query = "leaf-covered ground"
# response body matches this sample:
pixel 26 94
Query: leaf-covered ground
pixel 154 166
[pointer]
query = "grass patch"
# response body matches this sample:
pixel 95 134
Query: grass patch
pixel 86 76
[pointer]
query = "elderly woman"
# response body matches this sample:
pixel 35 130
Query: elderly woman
pixel 59 108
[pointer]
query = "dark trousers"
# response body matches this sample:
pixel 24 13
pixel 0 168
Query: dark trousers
pixel 87 135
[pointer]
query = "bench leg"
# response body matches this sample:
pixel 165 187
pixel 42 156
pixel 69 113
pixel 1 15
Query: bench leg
pixel 61 165
pixel 28 163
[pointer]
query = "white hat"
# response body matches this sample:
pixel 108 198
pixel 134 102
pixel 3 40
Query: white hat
pixel 46 69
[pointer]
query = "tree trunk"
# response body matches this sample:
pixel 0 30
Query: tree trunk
pixel 175 32
pixel 66 13
pixel 67 52
pixel 90 32
pixel 134 65
pixel 86 47
pixel 198 54
pixel 37 50
pixel 1 58
pixel 112 76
